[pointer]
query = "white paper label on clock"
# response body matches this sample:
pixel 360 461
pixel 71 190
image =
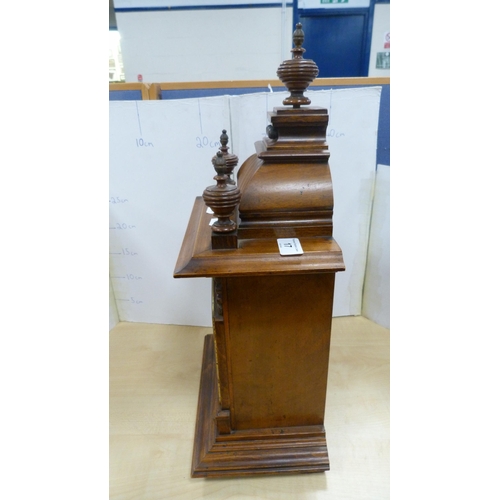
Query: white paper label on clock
pixel 290 246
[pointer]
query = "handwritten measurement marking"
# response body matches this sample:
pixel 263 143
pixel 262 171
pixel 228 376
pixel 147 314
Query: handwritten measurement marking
pixel 117 199
pixel 133 277
pixel 133 300
pixel 138 117
pixel 199 116
pixel 141 143
pixel 205 142
pixel 126 251
pixel 123 226
pixel 333 133
pixel 127 277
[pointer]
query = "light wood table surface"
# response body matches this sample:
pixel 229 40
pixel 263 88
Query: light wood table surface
pixel 154 381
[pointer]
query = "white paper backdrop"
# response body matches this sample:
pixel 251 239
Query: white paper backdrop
pixel 160 160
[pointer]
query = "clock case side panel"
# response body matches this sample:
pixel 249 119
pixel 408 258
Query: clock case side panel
pixel 246 453
pixel 279 330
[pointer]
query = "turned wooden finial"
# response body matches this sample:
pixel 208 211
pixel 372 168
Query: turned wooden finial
pixel 222 198
pixel 298 40
pixel 297 73
pixel 224 139
pixel 231 159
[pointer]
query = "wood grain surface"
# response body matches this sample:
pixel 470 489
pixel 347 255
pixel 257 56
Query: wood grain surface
pixel 154 383
pixel 252 257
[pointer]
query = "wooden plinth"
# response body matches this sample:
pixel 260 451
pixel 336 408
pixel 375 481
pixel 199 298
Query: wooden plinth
pixel 248 452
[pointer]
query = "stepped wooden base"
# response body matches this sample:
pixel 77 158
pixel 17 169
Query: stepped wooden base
pixel 248 452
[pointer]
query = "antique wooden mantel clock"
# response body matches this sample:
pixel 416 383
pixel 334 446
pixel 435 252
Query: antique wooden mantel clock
pixel 269 250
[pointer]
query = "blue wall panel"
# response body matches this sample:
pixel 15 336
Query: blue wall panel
pixel 125 95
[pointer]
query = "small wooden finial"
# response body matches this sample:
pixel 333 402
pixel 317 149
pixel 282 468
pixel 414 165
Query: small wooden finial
pixel 231 160
pixel 224 139
pixel 220 166
pixel 222 198
pixel 298 40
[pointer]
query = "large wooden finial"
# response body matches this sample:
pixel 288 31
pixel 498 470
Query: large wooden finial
pixel 223 197
pixel 297 73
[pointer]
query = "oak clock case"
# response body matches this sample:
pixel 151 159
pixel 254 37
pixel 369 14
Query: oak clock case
pixel 265 366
